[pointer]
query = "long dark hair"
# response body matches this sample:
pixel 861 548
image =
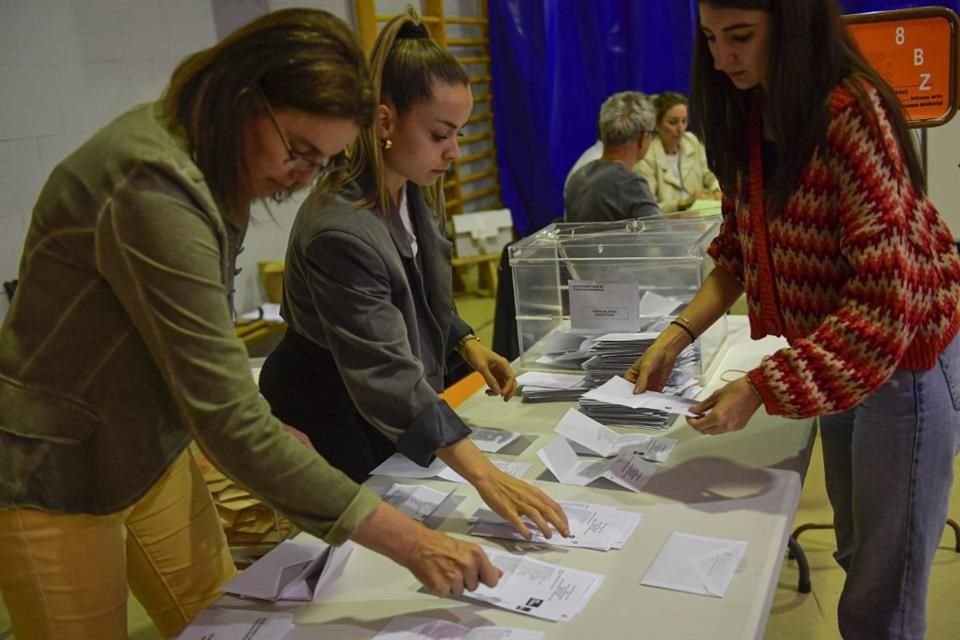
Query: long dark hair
pixel 298 58
pixel 810 52
pixel 404 64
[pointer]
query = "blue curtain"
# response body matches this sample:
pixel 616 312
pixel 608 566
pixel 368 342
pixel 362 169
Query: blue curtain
pixel 555 61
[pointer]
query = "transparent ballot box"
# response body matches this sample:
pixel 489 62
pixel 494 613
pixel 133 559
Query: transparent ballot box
pixel 592 279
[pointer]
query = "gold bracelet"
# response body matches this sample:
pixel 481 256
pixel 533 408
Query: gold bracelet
pixel 683 322
pixel 462 342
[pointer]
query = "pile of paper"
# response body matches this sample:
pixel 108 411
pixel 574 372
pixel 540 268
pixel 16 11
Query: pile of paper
pixel 614 402
pixel 491 440
pixel 566 349
pixel 537 588
pixel 400 466
pixel 589 437
pixel 295 570
pixel 417 501
pixel 238 624
pixel 629 470
pixel 245 520
pixel 592 526
pixel 417 628
pixel 539 386
pixel 612 354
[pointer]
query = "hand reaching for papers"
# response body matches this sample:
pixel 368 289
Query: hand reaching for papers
pixel 493 367
pixel 444 565
pixel 651 371
pixel 730 408
pixel 512 499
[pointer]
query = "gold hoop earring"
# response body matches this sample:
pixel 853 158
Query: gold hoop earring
pixel 387 144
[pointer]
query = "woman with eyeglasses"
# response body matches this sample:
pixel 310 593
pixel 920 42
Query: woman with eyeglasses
pixel 827 229
pixel 676 164
pixel 119 348
pixel 367 291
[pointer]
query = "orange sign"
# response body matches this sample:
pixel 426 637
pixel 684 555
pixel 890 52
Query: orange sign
pixel 915 50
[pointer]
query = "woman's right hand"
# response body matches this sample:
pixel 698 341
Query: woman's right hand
pixel 446 566
pixel 651 370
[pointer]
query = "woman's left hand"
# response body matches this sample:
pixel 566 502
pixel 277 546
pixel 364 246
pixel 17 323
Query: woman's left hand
pixel 730 407
pixel 493 367
pixel 512 499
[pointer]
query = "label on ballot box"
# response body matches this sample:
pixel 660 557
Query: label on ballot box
pixel 609 306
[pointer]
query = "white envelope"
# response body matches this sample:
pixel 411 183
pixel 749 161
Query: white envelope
pixel 297 569
pixel 596 439
pixel 696 564
pixel 628 470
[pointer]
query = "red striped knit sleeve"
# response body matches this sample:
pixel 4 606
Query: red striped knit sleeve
pixel 725 248
pixel 855 349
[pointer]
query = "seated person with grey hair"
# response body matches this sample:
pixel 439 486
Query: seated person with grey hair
pixel 608 189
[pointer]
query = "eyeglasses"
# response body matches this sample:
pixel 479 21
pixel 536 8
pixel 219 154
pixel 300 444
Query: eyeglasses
pixel 298 159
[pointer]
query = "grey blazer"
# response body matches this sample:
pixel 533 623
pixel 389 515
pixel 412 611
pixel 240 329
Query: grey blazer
pixel 352 286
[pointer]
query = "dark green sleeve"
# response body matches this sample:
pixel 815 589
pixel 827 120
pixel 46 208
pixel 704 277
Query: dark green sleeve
pixel 162 258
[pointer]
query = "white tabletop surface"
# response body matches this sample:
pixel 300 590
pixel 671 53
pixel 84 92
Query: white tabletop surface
pixel 744 485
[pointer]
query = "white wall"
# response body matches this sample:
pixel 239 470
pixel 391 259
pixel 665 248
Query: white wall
pixel 943 171
pixel 68 67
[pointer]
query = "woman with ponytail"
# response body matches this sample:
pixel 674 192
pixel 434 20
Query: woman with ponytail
pixel 367 291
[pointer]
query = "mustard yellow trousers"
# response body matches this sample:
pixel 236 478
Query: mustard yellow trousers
pixel 65 577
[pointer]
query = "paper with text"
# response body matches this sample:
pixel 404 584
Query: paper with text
pixel 628 470
pixel 236 624
pixel 610 306
pixel 618 390
pixel 603 441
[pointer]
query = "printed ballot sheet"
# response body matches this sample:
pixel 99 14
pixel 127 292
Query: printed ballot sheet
pixel 296 570
pixel 696 564
pixel 234 624
pixel 595 439
pixel 537 588
pixel 417 501
pixel 492 440
pixel 611 306
pixel 400 466
pixel 417 628
pixel 619 391
pixel 628 470
pixel 592 526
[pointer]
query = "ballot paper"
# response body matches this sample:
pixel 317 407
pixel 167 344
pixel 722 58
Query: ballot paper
pixel 612 306
pixel 296 570
pixel 417 501
pixel 592 526
pixel 537 588
pixel 400 466
pixel 696 564
pixel 619 391
pixel 236 624
pixel 492 440
pixel 628 470
pixel 596 439
pixel 417 628
pixel 545 380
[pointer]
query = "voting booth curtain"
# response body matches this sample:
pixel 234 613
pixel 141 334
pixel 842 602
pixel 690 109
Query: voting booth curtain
pixel 555 61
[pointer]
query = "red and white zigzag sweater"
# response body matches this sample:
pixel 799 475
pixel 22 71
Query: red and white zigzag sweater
pixel 859 272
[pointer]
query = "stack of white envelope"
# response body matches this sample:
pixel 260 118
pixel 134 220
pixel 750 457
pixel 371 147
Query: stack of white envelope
pixel 589 437
pixel 614 402
pixel 539 386
pixel 592 526
pixel 627 469
pixel 537 588
pixel 295 570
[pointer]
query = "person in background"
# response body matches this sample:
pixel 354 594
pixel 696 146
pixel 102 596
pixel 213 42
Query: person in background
pixel 675 167
pixel 119 348
pixel 591 153
pixel 827 228
pixel 367 292
pixel 607 189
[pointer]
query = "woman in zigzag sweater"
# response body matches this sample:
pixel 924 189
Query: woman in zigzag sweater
pixel 827 229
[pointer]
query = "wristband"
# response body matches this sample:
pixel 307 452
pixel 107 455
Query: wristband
pixel 684 327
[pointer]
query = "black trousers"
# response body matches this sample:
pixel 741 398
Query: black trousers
pixel 302 383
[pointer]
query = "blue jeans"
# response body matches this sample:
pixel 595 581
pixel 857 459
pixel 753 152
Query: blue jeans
pixel 888 464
